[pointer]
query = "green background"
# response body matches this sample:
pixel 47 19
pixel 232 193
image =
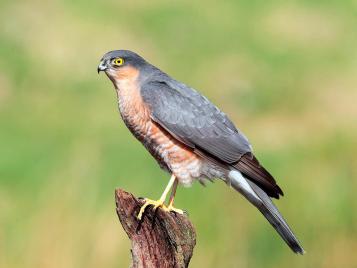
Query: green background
pixel 284 71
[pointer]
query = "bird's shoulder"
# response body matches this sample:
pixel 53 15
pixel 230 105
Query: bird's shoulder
pixel 191 117
pixel 166 93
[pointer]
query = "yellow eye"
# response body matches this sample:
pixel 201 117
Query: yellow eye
pixel 118 61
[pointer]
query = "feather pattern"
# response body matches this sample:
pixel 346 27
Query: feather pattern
pixel 251 167
pixel 193 120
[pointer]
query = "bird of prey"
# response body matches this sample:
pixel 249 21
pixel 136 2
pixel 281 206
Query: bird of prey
pixel 189 137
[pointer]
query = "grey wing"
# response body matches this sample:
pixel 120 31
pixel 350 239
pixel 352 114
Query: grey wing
pixel 194 120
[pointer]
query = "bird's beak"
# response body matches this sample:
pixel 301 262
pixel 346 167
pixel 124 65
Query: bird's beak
pixel 102 66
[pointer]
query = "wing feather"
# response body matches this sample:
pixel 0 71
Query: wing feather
pixel 195 121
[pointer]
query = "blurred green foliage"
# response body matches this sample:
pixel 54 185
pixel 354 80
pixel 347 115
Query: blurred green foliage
pixel 285 72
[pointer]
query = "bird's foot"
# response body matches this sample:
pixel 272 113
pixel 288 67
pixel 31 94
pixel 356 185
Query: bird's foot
pixel 148 202
pixel 158 204
pixel 171 208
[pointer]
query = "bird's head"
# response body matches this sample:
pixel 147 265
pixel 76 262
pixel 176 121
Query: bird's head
pixel 121 65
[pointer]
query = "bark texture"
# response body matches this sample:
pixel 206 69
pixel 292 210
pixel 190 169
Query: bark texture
pixel 159 239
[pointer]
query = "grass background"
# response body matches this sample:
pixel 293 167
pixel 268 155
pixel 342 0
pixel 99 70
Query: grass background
pixel 284 71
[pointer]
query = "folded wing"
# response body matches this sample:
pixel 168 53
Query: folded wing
pixel 195 121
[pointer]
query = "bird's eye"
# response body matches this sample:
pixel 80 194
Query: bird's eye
pixel 118 61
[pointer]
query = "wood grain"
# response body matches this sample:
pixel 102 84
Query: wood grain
pixel 160 239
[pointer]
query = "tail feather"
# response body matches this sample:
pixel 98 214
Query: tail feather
pixel 255 195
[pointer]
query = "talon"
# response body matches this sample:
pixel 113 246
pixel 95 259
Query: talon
pixel 148 202
pixel 171 208
pixel 160 203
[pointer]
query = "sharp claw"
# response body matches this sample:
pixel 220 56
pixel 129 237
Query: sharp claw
pixel 175 210
pixel 158 204
pixel 148 202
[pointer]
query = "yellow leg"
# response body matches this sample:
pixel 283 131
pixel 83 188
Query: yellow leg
pixel 171 201
pixel 173 193
pixel 160 202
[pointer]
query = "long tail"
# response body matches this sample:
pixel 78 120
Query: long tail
pixel 261 200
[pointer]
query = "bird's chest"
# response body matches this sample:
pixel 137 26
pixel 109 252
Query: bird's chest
pixel 134 112
pixel 171 154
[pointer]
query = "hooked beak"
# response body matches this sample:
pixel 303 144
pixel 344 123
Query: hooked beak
pixel 102 66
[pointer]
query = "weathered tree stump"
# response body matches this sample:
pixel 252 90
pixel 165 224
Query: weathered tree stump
pixel 160 239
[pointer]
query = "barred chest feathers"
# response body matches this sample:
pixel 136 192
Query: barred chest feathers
pixel 171 155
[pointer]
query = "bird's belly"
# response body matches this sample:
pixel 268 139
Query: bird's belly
pixel 170 154
pixel 173 155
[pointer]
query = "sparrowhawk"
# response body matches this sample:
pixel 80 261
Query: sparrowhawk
pixel 189 137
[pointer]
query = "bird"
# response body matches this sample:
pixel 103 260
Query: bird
pixel 190 138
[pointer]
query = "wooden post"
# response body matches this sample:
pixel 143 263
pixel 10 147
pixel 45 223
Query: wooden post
pixel 160 239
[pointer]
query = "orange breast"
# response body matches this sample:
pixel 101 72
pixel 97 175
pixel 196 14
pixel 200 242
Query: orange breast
pixel 169 152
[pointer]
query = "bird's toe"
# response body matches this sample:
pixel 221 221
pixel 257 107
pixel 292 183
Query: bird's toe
pixel 148 202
